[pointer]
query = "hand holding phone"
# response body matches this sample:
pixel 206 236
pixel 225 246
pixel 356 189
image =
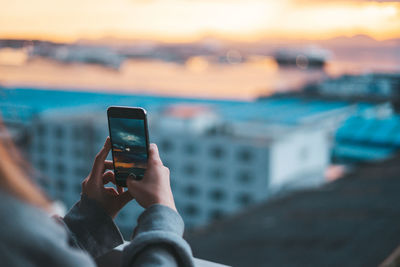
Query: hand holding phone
pixel 94 187
pixel 130 142
pixel 155 188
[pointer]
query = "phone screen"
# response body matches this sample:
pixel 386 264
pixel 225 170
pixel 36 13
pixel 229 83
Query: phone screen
pixel 129 147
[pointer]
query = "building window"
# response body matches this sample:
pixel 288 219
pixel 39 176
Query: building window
pixel 77 133
pixel 191 210
pixel 244 199
pixel 166 146
pixel 217 173
pixel 192 190
pixel 190 169
pixel 43 182
pixel 245 155
pixel 216 214
pixel 81 172
pixel 190 148
pixel 40 147
pixel 217 152
pixel 245 177
pixel 78 153
pixel 42 165
pixel 41 130
pixel 217 195
pixel 60 185
pixel 58 150
pixel 60 168
pixel 58 132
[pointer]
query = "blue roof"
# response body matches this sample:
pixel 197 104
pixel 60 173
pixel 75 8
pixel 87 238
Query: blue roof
pixel 284 110
pixel 279 110
pixel 371 130
pixel 41 99
pixel 361 152
pixel 365 139
pixel 36 100
pixel 358 138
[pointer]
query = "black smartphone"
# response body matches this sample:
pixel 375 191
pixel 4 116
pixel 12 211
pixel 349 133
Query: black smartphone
pixel 129 142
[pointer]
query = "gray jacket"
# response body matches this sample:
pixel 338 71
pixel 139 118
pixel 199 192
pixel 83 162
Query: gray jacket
pixel 30 237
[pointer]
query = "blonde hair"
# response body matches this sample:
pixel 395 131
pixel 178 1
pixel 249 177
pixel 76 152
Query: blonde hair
pixel 14 174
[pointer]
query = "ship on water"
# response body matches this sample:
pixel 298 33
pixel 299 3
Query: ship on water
pixel 304 58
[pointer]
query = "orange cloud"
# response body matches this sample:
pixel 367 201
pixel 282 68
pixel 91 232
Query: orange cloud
pixel 178 20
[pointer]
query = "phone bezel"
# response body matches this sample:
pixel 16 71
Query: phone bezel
pixel 135 113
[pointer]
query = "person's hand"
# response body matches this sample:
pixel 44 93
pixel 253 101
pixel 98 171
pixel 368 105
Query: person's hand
pixel 155 187
pixel 93 186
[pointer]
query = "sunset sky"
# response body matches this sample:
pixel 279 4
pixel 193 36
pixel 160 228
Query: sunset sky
pixel 187 20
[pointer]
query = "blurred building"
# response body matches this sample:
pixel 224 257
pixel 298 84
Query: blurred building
pixel 371 133
pixel 214 171
pixel 99 55
pixel 223 155
pixel 371 87
pixel 222 167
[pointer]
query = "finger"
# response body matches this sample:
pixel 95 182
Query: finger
pixel 120 189
pixel 154 156
pixel 111 191
pixel 105 149
pixel 109 177
pixel 108 165
pixel 98 166
pixel 124 198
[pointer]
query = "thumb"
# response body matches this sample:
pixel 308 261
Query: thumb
pixel 131 179
pixel 154 156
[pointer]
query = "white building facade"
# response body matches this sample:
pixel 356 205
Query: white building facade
pixel 217 167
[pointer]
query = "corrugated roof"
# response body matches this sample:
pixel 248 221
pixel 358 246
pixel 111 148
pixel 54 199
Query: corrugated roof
pixel 363 139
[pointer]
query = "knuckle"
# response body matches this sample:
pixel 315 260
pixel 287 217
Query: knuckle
pixel 166 169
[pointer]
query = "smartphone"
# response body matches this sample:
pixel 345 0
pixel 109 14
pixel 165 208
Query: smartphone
pixel 129 142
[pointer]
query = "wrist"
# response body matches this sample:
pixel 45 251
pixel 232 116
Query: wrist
pixel 169 204
pixel 163 201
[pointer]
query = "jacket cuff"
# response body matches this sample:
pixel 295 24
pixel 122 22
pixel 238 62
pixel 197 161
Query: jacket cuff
pixel 159 226
pixel 159 217
pixel 92 228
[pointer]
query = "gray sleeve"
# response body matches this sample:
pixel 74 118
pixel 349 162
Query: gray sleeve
pixel 158 240
pixel 91 228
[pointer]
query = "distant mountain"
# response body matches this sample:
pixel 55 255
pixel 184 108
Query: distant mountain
pixel 358 40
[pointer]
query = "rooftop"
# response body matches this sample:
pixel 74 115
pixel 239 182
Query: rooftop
pixel 362 138
pixel 286 110
pixel 353 221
